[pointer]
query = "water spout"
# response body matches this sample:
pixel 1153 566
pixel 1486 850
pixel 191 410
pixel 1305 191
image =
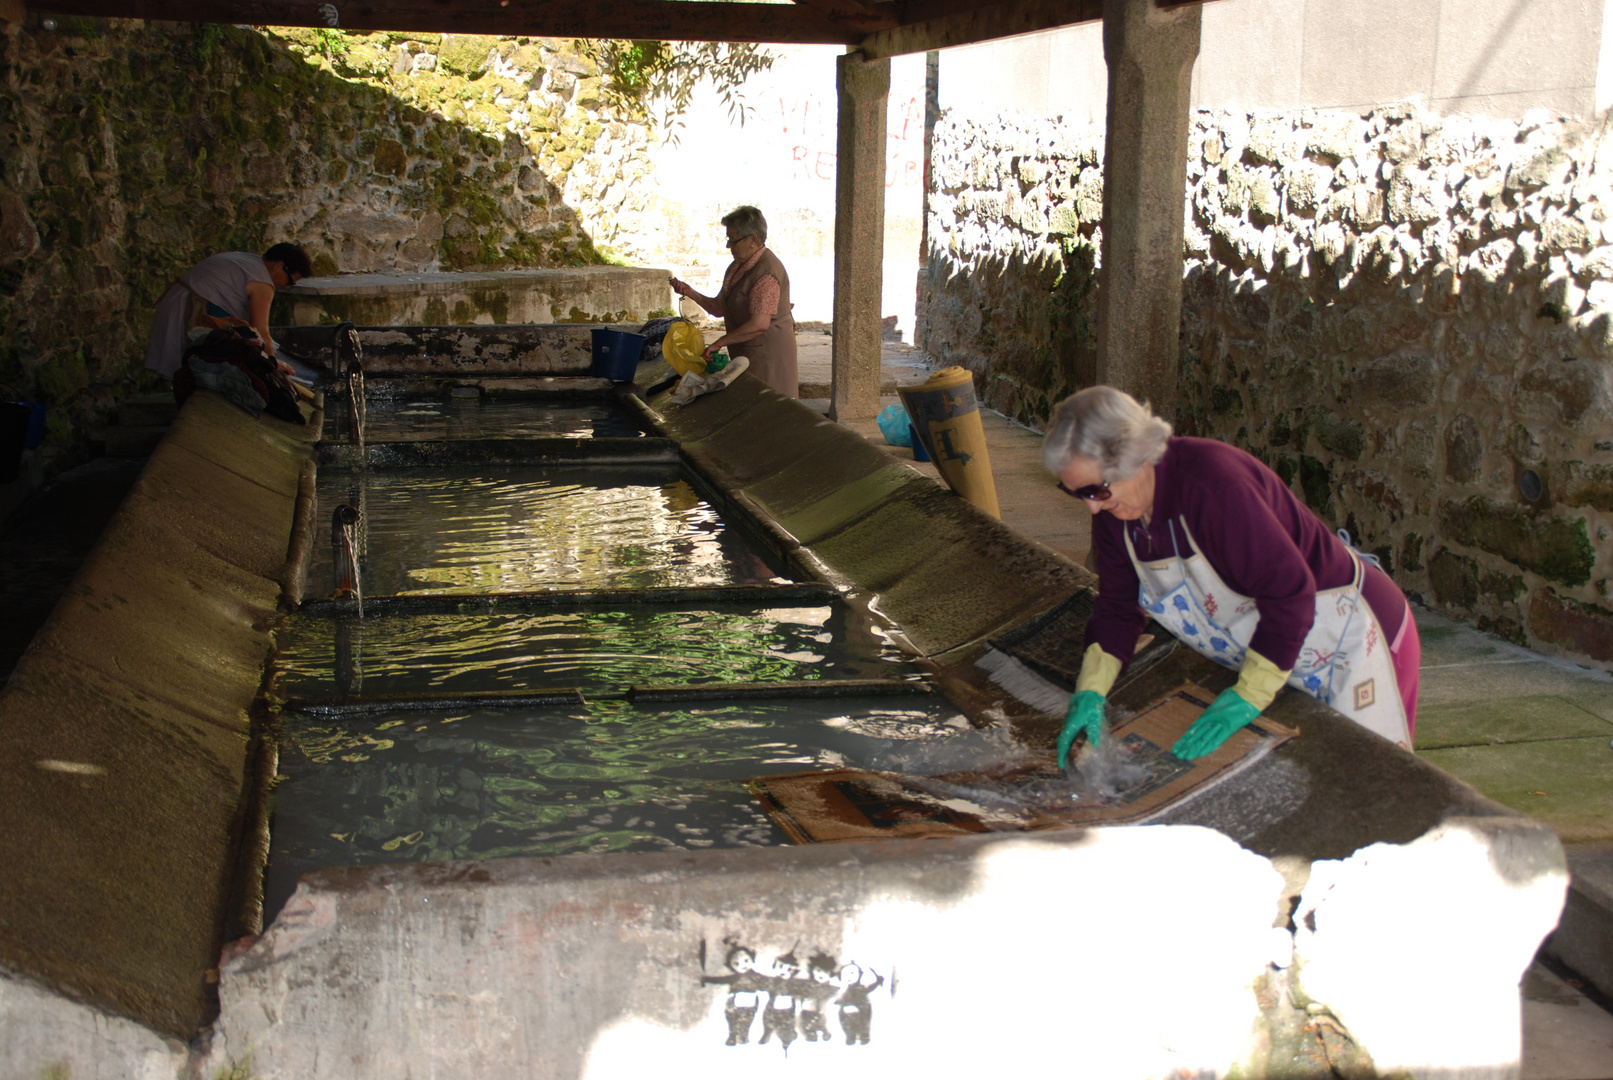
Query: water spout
pixel 346 349
pixel 349 368
pixel 344 546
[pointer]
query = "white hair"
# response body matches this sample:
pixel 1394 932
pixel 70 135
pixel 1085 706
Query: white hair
pixel 1108 426
pixel 746 221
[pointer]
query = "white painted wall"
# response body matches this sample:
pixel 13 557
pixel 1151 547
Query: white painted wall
pixel 1497 58
pixel 783 161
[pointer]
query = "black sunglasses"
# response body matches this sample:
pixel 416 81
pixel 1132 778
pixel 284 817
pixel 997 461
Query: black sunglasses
pixel 1091 492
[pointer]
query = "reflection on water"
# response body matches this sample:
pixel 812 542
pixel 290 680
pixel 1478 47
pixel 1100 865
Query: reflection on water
pixel 415 419
pixel 587 649
pixel 478 529
pixel 594 779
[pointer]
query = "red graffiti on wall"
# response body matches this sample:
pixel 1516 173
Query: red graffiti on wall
pixel 810 122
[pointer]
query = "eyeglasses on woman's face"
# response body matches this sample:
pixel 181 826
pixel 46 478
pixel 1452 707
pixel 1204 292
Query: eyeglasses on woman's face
pixel 1098 492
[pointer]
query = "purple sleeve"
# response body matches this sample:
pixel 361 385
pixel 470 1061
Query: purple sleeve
pixel 1247 534
pixel 1116 618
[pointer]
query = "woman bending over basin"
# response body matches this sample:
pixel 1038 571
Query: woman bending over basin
pixel 1215 547
pixel 753 303
pixel 232 288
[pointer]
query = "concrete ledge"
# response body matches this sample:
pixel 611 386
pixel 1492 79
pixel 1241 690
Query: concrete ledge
pixel 1584 937
pixel 618 966
pixel 222 512
pixel 124 730
pixel 459 351
pixel 577 294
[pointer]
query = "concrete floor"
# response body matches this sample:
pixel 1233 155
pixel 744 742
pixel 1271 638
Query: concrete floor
pixel 1529 731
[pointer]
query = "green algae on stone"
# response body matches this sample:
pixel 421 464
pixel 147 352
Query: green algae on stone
pixel 1316 481
pixel 1456 579
pixel 1558 549
pixel 1588 485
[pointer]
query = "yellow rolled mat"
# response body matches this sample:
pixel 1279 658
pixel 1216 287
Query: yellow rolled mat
pixel 946 419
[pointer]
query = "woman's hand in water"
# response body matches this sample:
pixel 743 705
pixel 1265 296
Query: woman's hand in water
pixel 1085 715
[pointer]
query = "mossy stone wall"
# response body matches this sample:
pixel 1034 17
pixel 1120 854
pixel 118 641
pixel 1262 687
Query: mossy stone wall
pixel 1408 317
pixel 129 151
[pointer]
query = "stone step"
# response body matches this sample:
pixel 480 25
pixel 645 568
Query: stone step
pixel 147 410
pixel 1584 936
pixel 128 440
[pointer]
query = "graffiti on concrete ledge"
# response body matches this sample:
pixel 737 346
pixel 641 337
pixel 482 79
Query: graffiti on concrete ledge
pixel 796 997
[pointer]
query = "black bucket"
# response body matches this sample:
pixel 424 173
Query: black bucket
pixel 15 421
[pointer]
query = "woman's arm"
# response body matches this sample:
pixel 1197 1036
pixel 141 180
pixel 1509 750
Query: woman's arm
pixel 755 328
pixel 259 295
pixel 764 300
pixel 1116 617
pixel 713 305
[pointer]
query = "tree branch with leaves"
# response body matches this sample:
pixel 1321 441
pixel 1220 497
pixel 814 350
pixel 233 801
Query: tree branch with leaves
pixel 655 81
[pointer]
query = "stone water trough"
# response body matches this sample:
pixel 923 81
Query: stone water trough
pixel 1340 905
pixel 577 294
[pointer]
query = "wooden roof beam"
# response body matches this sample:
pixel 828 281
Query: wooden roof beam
pixel 879 10
pixel 876 28
pixel 836 22
pixel 965 25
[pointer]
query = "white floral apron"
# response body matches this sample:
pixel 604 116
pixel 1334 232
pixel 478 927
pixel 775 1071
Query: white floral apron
pixel 1344 661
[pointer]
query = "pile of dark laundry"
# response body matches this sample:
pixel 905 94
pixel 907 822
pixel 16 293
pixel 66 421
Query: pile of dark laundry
pixel 654 333
pixel 233 362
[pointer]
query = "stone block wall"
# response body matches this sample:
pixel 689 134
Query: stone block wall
pixel 129 151
pixel 1409 317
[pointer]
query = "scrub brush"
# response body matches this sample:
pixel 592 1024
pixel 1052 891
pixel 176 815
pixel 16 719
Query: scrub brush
pixel 1024 682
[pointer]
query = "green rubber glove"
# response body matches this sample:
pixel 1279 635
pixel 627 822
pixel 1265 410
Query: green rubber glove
pixel 1086 714
pixel 1226 714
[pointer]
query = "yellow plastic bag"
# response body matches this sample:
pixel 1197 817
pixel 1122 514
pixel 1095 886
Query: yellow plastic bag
pixel 684 348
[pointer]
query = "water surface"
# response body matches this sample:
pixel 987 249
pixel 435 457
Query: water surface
pixel 594 779
pixel 589 649
pixel 480 529
pixel 405 419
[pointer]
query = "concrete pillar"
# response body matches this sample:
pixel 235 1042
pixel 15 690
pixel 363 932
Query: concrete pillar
pixel 1150 53
pixel 862 88
pixel 932 113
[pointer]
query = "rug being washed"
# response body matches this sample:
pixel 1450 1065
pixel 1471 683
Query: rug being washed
pixel 1128 780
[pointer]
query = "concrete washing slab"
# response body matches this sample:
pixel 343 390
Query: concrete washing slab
pixel 126 730
pixel 131 799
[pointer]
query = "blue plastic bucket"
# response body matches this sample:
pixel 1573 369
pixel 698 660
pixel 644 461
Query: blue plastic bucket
pixel 15 418
pixel 616 354
pixel 36 425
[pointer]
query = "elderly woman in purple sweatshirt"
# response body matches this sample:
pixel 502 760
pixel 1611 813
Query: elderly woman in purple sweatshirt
pixel 1210 543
